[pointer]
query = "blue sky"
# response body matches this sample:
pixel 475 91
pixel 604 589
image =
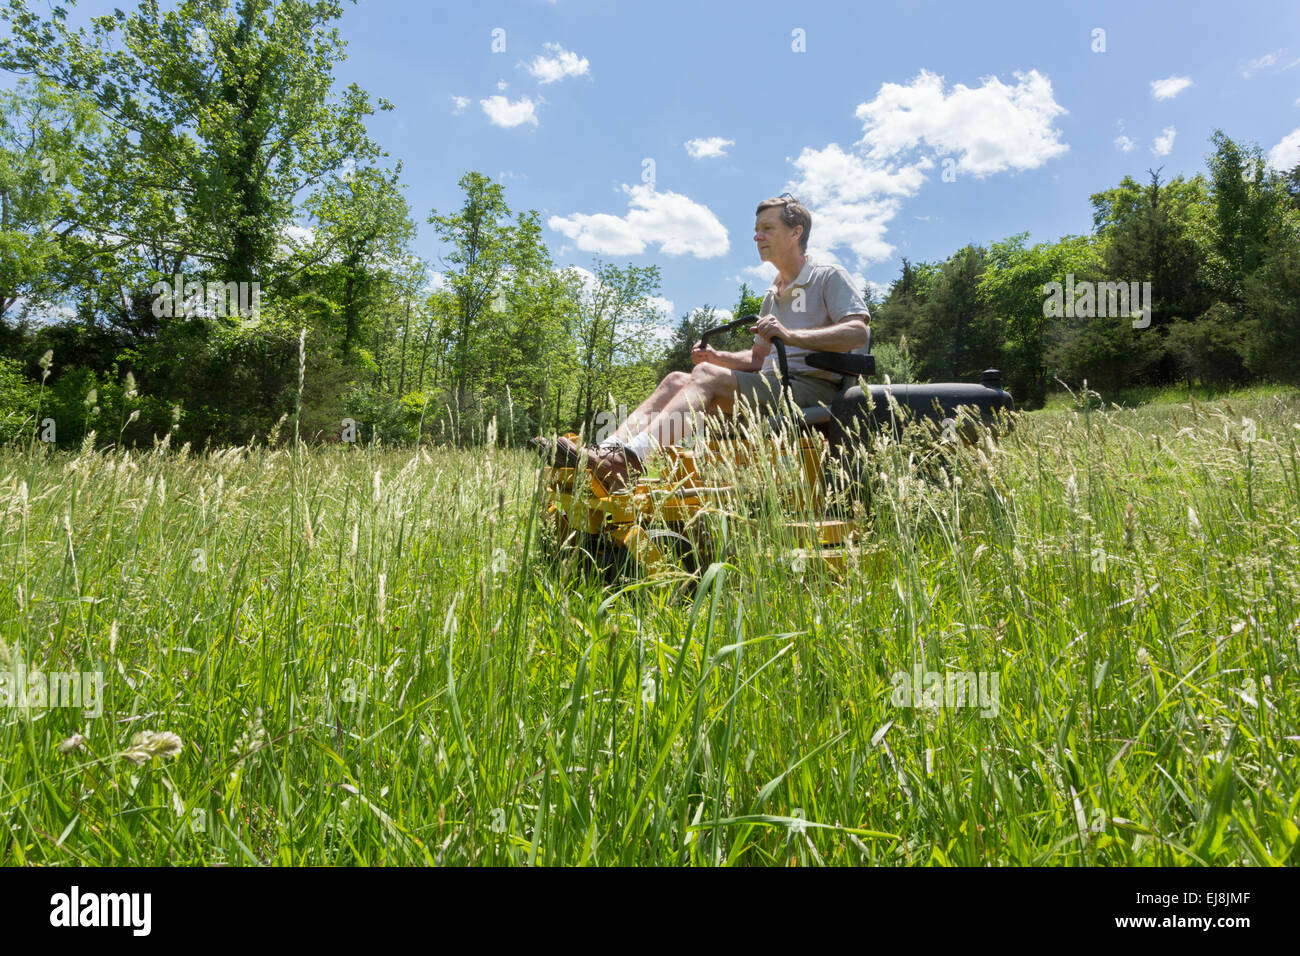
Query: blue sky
pixel 859 109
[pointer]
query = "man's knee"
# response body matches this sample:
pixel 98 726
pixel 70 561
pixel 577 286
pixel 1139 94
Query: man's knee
pixel 716 385
pixel 676 380
pixel 714 379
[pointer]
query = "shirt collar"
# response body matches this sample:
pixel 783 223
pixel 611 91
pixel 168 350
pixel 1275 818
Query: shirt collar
pixel 804 277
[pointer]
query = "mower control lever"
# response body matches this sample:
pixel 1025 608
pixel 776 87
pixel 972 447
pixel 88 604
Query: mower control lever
pixel 777 342
pixel 730 326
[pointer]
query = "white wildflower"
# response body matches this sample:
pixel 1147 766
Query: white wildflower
pixel 253 738
pixel 73 743
pixel 149 744
pixel 798 826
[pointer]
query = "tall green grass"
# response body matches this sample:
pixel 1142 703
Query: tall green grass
pixel 369 658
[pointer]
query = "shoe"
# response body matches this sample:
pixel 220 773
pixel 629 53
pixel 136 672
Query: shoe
pixel 615 469
pixel 560 452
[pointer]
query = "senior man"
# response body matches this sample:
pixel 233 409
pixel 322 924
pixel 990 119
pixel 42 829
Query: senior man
pixel 810 307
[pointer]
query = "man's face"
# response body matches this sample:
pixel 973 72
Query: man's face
pixel 773 237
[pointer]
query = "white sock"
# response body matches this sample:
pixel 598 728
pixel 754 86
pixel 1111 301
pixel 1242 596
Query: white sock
pixel 641 445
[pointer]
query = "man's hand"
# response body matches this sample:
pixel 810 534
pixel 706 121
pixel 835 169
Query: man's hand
pixel 704 356
pixel 769 326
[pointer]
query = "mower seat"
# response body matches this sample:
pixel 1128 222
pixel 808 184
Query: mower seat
pixel 859 363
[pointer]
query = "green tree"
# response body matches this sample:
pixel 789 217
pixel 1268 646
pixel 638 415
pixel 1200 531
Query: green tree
pixel 483 243
pixel 1248 201
pixel 614 334
pixel 1157 233
pixel 221 114
pixel 1013 287
pixel 677 356
pixel 955 336
pixel 44 135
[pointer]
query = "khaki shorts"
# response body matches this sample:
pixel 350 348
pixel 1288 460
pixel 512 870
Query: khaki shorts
pixel 764 388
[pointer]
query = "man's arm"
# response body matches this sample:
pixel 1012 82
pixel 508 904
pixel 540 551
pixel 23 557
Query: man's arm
pixel 742 361
pixel 847 334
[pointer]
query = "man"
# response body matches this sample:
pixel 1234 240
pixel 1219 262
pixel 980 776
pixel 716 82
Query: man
pixel 811 308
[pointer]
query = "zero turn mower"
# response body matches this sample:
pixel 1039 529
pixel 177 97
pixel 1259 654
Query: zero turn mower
pixel 661 520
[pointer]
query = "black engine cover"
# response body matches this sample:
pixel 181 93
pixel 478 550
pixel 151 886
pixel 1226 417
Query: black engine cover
pixel 859 410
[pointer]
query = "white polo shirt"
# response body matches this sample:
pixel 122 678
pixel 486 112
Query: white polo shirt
pixel 818 298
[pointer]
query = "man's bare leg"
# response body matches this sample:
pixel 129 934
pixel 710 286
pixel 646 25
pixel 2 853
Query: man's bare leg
pixel 710 389
pixel 640 419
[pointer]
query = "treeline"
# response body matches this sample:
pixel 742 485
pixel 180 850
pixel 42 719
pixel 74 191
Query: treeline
pixel 1212 265
pixel 182 193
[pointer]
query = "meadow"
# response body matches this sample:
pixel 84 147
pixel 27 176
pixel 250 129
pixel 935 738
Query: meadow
pixel 366 655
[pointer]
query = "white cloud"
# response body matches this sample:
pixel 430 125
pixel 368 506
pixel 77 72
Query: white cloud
pixel 502 86
pixel 851 199
pixel 1169 87
pixel 679 225
pixel 832 173
pixel 1286 154
pixel 299 235
pixel 854 193
pixel 708 148
pixel 1261 63
pixel 551 69
pixel 1124 144
pixel 665 307
pixel 1164 144
pixel 503 112
pixel 458 104
pixel 990 128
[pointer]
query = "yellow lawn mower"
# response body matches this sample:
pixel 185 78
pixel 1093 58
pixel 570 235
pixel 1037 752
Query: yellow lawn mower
pixel 682 515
